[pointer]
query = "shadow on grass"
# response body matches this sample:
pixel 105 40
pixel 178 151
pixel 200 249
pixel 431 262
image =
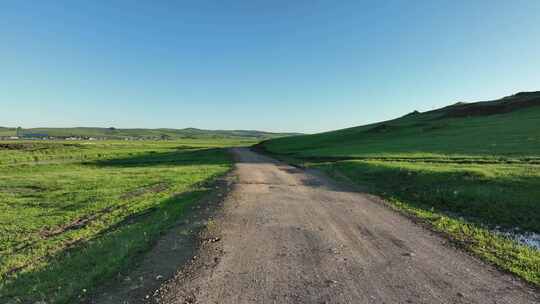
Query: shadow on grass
pixel 186 157
pixel 510 202
pixel 506 202
pixel 471 160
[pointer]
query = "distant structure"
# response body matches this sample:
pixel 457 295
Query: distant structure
pixel 35 136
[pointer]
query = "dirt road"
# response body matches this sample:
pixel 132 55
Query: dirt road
pixel 290 236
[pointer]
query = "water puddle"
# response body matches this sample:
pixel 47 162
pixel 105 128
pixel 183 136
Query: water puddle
pixel 530 239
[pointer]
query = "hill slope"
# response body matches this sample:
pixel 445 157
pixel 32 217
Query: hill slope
pixel 504 127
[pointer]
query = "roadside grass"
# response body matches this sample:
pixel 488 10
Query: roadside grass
pixel 465 176
pixel 464 203
pixel 83 212
pixel 496 195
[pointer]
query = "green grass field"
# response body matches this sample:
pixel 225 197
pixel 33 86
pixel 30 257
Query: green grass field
pixel 73 214
pixel 465 169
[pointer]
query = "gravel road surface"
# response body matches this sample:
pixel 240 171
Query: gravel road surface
pixel 288 235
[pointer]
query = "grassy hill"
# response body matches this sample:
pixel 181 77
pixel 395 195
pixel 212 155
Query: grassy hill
pixel 506 128
pixel 470 170
pixel 113 133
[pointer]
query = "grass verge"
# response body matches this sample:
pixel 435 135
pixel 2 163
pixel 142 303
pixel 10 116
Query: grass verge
pixel 461 202
pixel 88 212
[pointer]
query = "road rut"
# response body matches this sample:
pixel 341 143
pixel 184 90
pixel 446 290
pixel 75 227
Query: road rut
pixel 291 236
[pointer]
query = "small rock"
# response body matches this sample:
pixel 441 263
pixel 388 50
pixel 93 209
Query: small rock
pixel 212 240
pixel 331 282
pixel 159 277
pixel 459 294
pixel 410 254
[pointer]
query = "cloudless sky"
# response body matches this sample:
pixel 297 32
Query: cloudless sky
pixel 305 66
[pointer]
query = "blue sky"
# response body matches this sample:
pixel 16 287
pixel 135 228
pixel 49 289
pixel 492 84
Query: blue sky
pixel 305 66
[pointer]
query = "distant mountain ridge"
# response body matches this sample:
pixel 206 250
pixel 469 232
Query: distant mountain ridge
pixel 160 133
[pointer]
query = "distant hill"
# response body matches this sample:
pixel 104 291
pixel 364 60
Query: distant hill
pixel 113 133
pixel 7 131
pixel 505 127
